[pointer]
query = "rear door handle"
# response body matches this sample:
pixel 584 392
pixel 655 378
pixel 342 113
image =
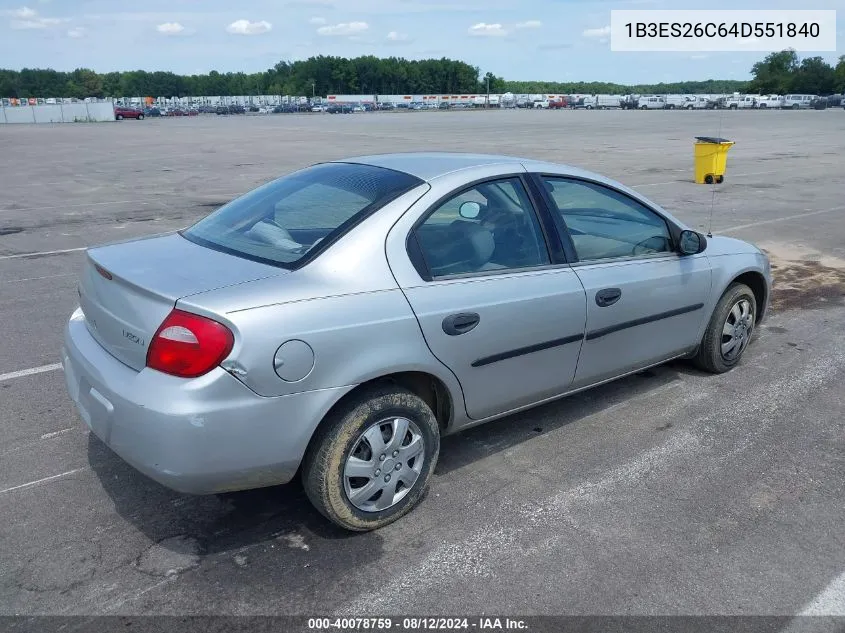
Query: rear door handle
pixel 456 324
pixel 608 297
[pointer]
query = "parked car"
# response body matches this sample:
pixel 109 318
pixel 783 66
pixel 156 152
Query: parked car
pixel 834 101
pixel 770 102
pixel 697 103
pixel 819 103
pixel 652 103
pixel 740 102
pixel 558 104
pixel 122 112
pixel 798 102
pixel 189 379
pixel 153 112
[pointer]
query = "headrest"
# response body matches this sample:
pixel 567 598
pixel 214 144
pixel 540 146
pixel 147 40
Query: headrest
pixel 479 240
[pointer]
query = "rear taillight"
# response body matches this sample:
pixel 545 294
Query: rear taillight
pixel 188 345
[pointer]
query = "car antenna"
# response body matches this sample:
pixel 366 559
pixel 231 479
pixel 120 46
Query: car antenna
pixel 713 187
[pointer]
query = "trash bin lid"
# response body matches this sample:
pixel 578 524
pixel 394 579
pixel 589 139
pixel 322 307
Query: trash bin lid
pixel 712 139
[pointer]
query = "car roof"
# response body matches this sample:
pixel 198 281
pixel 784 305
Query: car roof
pixel 430 165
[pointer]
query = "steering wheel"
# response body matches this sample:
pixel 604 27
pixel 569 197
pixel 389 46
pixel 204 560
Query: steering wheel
pixel 642 247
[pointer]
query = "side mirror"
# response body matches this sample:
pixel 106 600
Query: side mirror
pixel 470 210
pixel 691 243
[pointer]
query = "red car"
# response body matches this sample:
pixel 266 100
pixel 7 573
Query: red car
pixel 558 104
pixel 121 113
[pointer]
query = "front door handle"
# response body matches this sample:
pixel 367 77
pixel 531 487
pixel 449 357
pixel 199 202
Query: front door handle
pixel 608 297
pixel 456 324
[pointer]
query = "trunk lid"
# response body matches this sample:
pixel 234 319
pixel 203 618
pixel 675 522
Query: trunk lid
pixel 126 290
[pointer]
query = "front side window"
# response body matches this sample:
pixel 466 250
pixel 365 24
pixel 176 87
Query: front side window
pixel 604 223
pixel 290 218
pixel 490 227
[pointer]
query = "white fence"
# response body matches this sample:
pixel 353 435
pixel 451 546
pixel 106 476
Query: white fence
pixel 58 113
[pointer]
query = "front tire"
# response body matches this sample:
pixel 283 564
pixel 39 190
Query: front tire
pixel 729 331
pixel 370 462
pixel 119 117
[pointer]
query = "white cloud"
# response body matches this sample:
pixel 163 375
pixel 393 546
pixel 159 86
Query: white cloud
pixel 602 32
pixel 76 32
pixel 317 21
pixel 170 28
pixel 529 24
pixel 26 18
pixel 245 27
pixel 487 30
pixel 395 36
pixel 344 28
pixel 24 13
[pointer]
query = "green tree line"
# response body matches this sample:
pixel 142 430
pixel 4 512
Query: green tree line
pixel 783 73
pixel 779 73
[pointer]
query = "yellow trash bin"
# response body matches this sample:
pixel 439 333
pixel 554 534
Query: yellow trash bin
pixel 711 159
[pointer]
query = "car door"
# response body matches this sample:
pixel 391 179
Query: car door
pixel 494 304
pixel 645 302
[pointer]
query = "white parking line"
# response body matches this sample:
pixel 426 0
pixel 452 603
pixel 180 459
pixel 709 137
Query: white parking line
pixel 49 436
pixel 36 254
pixel 15 281
pixel 783 219
pixel 42 481
pixel 86 204
pixel 30 372
pixel 829 602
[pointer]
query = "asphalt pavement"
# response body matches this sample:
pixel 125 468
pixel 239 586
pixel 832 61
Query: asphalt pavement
pixel 669 492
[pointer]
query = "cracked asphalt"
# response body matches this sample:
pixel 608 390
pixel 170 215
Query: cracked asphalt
pixel 670 492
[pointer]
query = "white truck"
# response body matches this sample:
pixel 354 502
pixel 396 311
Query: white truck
pixel 674 101
pixel 741 102
pixel 696 103
pixel 770 102
pixel 603 102
pixel 652 103
pixel 796 102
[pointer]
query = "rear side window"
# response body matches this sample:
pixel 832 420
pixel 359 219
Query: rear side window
pixel 490 227
pixel 292 219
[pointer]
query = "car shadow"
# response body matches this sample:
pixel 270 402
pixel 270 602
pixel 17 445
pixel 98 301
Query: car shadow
pixel 466 447
pixel 217 523
pixel 228 522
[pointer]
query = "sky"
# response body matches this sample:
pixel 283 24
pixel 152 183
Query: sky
pixel 549 40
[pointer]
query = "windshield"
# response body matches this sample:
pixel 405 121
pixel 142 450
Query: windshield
pixel 295 217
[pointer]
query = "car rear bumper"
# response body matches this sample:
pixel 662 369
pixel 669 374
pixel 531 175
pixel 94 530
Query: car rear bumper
pixel 206 435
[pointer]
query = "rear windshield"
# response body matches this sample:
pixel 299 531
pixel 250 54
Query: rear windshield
pixel 290 220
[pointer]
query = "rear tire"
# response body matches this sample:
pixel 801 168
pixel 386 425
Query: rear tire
pixel 349 438
pixel 729 331
pixel 140 117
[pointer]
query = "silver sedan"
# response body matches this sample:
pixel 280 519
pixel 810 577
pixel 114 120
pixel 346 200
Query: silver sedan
pixel 338 321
